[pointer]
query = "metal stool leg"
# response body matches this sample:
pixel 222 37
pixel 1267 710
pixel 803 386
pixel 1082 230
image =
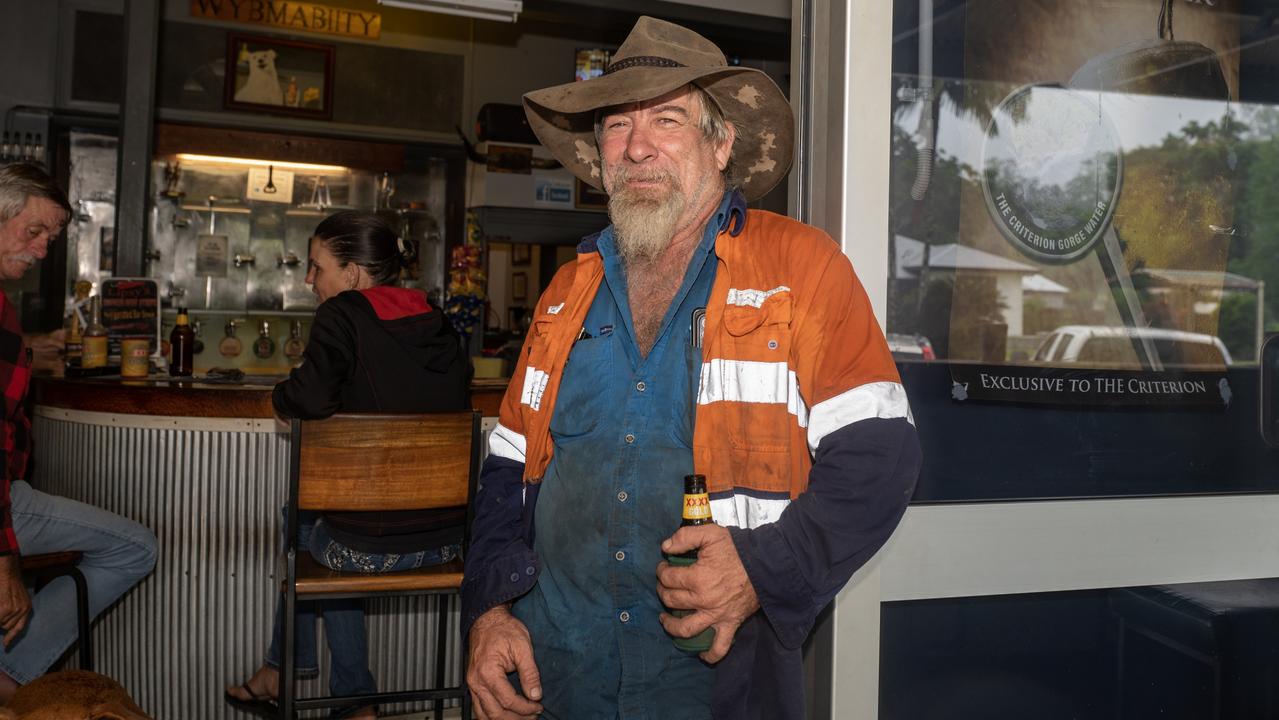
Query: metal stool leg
pixel 287 669
pixel 441 656
pixel 82 617
pixel 44 576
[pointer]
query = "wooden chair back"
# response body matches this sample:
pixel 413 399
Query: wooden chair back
pixel 368 462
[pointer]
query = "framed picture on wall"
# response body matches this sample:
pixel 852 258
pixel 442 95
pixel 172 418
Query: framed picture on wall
pixel 287 77
pixel 519 287
pixel 520 254
pixel 589 197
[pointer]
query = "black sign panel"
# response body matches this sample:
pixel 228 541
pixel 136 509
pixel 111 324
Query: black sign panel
pixel 131 309
pixel 1089 386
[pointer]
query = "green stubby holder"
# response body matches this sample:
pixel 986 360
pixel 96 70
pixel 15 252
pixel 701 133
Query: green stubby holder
pixel 700 642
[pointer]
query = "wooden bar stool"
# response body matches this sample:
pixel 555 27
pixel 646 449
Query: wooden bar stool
pixel 370 462
pixel 40 570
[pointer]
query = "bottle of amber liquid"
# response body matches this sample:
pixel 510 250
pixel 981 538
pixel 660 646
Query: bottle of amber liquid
pixel 697 511
pixel 182 342
pixel 93 342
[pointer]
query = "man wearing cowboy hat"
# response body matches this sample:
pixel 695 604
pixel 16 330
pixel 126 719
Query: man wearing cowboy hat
pixel 691 335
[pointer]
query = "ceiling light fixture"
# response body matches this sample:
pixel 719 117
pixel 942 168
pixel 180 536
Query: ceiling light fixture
pixel 498 10
pixel 278 164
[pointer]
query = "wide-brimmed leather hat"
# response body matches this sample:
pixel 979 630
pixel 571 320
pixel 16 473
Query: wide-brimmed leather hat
pixel 656 58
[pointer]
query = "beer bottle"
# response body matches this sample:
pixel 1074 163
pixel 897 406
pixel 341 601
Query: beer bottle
pixel 182 344
pixel 93 342
pixel 697 511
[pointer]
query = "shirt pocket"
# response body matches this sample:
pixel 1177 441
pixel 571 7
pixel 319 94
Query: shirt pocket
pixel 761 334
pixel 753 378
pixel 582 396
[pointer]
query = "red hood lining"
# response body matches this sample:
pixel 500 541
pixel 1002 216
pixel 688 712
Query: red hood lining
pixel 392 303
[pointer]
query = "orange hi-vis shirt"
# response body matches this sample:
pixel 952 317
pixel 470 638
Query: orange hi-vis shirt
pixel 791 353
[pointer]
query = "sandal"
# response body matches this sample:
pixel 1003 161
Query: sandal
pixel 260 705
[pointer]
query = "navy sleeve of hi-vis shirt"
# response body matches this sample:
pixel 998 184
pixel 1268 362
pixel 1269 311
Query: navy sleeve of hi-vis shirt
pixel 500 564
pixel 858 489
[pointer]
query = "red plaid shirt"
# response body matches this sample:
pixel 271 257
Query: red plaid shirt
pixel 15 376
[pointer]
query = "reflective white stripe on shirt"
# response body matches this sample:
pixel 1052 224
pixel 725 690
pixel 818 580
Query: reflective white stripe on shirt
pixel 534 385
pixel 752 298
pixel 872 400
pixel 505 442
pixel 744 511
pixel 753 382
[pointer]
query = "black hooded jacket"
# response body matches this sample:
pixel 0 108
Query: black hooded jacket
pixel 384 349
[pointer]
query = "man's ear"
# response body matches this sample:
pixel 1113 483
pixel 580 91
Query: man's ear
pixel 725 150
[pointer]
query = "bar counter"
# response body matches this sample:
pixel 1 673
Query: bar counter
pixel 205 467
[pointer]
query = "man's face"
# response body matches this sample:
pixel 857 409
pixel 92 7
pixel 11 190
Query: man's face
pixel 25 238
pixel 657 160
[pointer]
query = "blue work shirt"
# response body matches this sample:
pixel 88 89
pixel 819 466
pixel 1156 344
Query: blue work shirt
pixel 623 434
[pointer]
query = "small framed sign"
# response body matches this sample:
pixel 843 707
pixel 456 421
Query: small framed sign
pixel 131 309
pixel 279 76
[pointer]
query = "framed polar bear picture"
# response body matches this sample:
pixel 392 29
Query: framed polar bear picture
pixel 288 77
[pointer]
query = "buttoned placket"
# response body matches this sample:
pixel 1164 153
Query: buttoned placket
pixel 632 695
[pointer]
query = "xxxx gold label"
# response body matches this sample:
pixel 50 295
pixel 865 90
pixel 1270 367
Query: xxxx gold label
pixel 697 507
pixel 93 352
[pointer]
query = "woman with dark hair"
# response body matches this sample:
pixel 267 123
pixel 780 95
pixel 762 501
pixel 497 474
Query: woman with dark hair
pixel 374 347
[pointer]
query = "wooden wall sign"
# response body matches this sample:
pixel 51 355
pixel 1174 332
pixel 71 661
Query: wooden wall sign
pixel 304 16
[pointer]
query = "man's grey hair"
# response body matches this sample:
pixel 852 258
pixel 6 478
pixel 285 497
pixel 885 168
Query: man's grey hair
pixel 711 122
pixel 20 181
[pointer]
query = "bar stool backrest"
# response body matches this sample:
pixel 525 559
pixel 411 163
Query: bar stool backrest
pixel 370 462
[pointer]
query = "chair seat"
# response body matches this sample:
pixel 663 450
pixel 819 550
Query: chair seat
pixel 316 579
pixel 34 563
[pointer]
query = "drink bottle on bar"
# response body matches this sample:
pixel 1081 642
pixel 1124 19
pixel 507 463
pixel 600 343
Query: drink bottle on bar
pixel 182 343
pixel 697 511
pixel 93 342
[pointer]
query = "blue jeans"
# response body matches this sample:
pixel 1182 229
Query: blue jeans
pixel 343 619
pixel 118 553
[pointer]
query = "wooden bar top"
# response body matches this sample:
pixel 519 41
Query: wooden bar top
pixel 165 396
pixel 158 395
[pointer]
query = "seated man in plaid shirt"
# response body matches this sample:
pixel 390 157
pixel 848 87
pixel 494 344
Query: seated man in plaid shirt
pixel 118 552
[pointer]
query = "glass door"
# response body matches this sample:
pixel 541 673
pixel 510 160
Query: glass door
pixel 1080 227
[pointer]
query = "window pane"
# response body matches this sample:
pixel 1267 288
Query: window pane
pixel 1059 165
pixel 1175 652
pixel 1083 226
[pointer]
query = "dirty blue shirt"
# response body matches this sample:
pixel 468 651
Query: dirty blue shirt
pixel 623 433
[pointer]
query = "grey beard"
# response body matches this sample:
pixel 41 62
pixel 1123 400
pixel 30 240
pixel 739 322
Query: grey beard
pixel 644 226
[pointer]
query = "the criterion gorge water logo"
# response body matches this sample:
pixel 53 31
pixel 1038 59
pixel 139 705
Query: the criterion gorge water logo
pixel 1051 167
